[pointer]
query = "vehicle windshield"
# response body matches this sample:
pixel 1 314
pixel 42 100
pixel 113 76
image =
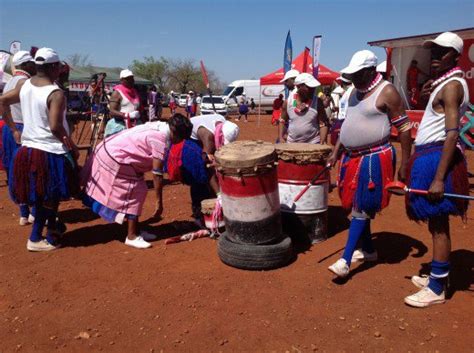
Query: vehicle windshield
pixel 183 96
pixel 228 90
pixel 216 100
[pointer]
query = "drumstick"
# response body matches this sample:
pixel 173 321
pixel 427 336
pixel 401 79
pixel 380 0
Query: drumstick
pixel 399 188
pixel 316 177
pixel 188 236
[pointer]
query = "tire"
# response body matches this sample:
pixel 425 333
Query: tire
pixel 255 257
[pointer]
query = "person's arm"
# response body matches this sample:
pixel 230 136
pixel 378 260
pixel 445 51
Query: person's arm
pixel 393 105
pixel 208 149
pixel 323 122
pixel 284 121
pixel 335 153
pixel 158 186
pixel 57 107
pixel 11 97
pixel 114 106
pixel 451 98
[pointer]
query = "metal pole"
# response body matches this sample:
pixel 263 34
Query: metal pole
pixel 259 102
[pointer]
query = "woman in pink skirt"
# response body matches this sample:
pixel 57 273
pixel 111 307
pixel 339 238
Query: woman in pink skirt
pixel 113 176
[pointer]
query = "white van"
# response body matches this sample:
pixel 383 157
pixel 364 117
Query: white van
pixel 263 95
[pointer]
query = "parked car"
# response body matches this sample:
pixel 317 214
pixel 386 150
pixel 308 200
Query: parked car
pixel 207 108
pixel 182 100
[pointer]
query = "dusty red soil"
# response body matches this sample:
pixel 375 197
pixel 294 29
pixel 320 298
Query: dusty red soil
pixel 182 298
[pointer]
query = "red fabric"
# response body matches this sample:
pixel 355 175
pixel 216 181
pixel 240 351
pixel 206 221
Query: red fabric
pixel 130 93
pixel 25 163
pixel 387 174
pixel 175 162
pixel 412 77
pixel 348 185
pixel 276 116
pixel 326 76
pixel 219 136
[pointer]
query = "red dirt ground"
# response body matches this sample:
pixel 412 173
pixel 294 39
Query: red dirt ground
pixel 182 298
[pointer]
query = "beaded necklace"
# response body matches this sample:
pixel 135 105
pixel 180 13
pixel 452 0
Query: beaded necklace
pixel 373 84
pixel 454 71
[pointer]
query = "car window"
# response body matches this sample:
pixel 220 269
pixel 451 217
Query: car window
pixel 239 91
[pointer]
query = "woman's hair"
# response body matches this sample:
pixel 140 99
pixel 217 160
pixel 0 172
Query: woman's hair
pixel 181 126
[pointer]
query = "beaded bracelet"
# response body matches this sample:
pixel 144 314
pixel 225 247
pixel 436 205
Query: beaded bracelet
pixel 157 171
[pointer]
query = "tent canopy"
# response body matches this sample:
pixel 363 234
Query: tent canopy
pixel 326 76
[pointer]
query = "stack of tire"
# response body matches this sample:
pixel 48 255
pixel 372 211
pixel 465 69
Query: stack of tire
pixel 248 179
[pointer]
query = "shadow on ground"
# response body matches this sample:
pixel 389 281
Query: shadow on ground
pixel 392 248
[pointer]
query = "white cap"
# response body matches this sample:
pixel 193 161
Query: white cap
pixel 21 57
pixel 448 40
pixel 190 92
pixel 290 74
pixel 46 56
pixel 126 73
pixel 360 60
pixel 230 131
pixel 306 79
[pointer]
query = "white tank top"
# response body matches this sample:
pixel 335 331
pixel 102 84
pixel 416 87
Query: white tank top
pixel 126 106
pixel 364 124
pixel 432 127
pixel 37 132
pixel 304 128
pixel 207 121
pixel 15 109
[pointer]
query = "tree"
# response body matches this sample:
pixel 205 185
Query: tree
pixel 153 70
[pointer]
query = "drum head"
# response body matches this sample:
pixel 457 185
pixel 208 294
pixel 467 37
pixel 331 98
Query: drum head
pixel 207 206
pixel 245 154
pixel 302 152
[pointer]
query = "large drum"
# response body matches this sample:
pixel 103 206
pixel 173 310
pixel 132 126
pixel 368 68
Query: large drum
pixel 298 163
pixel 250 200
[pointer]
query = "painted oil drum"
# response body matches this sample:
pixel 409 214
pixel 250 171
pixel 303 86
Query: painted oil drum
pixel 298 163
pixel 207 209
pixel 250 199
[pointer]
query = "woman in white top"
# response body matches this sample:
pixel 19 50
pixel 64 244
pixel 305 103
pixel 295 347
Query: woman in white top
pixel 44 168
pixel 124 105
pixel 438 164
pixel 13 117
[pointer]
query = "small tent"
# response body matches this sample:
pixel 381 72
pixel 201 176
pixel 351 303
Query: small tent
pixel 302 63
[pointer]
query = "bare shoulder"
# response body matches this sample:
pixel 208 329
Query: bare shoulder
pixel 390 91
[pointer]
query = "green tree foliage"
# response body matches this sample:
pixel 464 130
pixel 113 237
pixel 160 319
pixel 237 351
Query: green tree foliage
pixel 179 75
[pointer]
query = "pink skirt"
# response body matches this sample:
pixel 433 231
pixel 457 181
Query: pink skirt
pixel 116 186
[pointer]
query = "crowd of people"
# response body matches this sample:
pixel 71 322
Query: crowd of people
pixel 41 158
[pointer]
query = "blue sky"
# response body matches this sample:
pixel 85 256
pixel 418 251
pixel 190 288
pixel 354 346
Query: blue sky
pixel 237 39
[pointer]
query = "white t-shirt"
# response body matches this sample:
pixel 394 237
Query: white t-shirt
pixel 432 127
pixel 206 121
pixel 37 132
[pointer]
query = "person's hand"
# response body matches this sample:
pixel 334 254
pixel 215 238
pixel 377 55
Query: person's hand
pixel 426 89
pixel 332 160
pixel 17 137
pixel 134 115
pixel 402 172
pixel 436 190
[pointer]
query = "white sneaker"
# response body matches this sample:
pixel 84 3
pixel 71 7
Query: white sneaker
pixel 23 221
pixel 42 245
pixel 420 281
pixel 361 255
pixel 31 219
pixel 425 297
pixel 138 242
pixel 339 268
pixel 148 236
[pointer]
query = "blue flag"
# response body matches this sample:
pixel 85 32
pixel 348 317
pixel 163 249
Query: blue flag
pixel 287 57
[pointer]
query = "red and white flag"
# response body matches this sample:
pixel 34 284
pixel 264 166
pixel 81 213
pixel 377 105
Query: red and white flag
pixel 204 75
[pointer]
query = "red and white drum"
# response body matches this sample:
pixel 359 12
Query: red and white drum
pixel 298 163
pixel 207 209
pixel 250 200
